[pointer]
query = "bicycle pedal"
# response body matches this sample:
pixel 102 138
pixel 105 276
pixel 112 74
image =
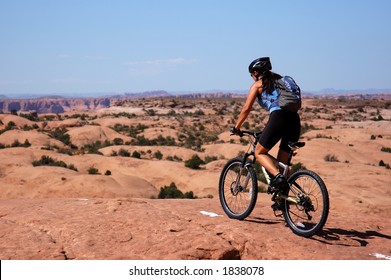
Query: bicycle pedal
pixel 278 215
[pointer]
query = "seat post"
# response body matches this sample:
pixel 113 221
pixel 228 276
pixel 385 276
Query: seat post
pixel 290 156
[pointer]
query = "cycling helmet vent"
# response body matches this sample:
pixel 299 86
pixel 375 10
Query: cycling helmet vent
pixel 261 65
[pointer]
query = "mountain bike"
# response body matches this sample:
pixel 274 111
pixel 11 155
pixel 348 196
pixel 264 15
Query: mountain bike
pixel 304 204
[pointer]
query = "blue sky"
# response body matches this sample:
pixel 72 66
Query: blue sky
pixel 94 46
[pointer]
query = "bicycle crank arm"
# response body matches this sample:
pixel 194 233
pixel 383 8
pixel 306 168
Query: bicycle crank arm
pixel 288 198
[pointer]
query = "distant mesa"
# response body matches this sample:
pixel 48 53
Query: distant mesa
pixel 57 104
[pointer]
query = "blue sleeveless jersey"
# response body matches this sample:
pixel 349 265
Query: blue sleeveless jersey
pixel 269 101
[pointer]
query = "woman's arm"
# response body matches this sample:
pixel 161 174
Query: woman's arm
pixel 252 94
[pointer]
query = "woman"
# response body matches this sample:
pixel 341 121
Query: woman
pixel 282 124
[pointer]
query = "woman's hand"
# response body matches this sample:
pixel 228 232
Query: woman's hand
pixel 236 131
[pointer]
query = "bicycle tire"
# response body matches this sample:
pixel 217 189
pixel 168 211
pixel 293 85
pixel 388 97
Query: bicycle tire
pixel 309 185
pixel 237 201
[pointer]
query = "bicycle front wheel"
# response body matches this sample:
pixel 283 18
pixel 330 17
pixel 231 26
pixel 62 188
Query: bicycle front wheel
pixel 309 213
pixel 238 189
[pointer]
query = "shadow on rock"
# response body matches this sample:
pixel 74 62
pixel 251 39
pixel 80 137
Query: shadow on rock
pixel 341 237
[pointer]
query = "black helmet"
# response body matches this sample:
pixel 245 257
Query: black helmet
pixel 261 65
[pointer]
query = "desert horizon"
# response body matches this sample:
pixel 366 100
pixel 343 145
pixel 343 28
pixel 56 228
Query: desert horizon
pixel 84 183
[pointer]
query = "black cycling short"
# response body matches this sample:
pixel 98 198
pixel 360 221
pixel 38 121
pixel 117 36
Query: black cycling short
pixel 282 125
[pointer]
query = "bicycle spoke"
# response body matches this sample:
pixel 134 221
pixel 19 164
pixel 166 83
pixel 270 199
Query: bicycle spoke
pixel 237 186
pixel 310 213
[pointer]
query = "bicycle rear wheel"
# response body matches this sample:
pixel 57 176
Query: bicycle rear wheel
pixel 238 189
pixel 309 215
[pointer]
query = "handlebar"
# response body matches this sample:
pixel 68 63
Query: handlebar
pixel 241 133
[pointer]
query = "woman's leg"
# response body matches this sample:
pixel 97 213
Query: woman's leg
pixel 282 156
pixel 262 156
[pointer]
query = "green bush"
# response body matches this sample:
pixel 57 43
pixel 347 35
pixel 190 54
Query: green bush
pixel 331 158
pixel 194 162
pixel 123 153
pixel 93 171
pixel 386 165
pixel 158 155
pixel 172 191
pixel 118 141
pixel 297 166
pixel 136 154
pixel 210 159
pixel 49 161
pixel 61 135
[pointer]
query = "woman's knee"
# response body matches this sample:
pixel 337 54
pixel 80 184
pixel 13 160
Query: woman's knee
pixel 261 150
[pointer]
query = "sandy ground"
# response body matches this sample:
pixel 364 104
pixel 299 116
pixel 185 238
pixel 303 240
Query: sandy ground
pixel 51 212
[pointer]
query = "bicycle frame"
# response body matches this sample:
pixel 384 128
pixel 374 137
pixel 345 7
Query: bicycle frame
pixel 283 166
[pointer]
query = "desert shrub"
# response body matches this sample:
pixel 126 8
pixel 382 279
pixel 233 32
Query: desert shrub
pixel 159 141
pixel 174 158
pixel 93 171
pixel 386 165
pixel 165 141
pixel 108 173
pixel 123 153
pixel 26 143
pixel 49 117
pixel 63 151
pixel 61 135
pixel 244 141
pixel 194 162
pixel 93 148
pixel 10 125
pixel 331 158
pixel 136 154
pixel 297 166
pixel 150 112
pixel 306 127
pixel 118 141
pixel 142 141
pixel 319 135
pixel 189 195
pixel 49 161
pixel 27 127
pixel 158 155
pixel 385 149
pixel 32 117
pixel 246 125
pixel 72 167
pixel 199 112
pixel 210 159
pixel 16 143
pixel 171 112
pixel 172 191
pixel 123 114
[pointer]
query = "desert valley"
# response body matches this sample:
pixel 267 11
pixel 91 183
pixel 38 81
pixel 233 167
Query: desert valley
pixel 85 182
